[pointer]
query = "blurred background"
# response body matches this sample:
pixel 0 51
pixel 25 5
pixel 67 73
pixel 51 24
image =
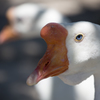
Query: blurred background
pixel 19 58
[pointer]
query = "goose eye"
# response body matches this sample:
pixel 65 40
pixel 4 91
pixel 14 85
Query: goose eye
pixel 18 19
pixel 79 37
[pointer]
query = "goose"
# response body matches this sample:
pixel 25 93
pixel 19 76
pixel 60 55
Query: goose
pixel 26 21
pixel 73 54
pixel 20 18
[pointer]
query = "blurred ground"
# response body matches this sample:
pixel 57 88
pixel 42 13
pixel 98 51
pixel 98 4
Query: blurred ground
pixel 19 58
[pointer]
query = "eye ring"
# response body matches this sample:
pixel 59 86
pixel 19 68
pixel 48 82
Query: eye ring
pixel 79 37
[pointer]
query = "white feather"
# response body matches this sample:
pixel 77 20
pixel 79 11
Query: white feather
pixel 84 56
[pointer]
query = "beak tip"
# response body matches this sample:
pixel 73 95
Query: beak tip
pixel 32 79
pixel 1 40
pixel 30 82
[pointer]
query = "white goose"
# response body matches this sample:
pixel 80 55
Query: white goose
pixel 73 54
pixel 26 21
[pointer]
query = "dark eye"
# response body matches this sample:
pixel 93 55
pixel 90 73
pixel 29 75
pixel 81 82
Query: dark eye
pixel 18 19
pixel 79 37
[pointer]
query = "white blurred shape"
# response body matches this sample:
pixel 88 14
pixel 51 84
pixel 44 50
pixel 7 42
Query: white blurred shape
pixel 85 90
pixel 44 88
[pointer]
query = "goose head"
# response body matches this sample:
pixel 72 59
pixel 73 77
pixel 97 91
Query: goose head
pixel 26 21
pixel 73 52
pixel 21 20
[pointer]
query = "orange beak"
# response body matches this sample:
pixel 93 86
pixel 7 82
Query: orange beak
pixel 54 61
pixel 8 34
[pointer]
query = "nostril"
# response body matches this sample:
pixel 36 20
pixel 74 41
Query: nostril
pixel 45 67
pixel 46 64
